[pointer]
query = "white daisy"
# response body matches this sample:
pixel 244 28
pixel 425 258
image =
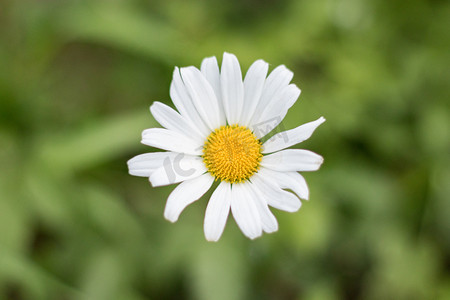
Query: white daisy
pixel 216 136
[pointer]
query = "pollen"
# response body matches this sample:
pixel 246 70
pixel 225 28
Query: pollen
pixel 232 153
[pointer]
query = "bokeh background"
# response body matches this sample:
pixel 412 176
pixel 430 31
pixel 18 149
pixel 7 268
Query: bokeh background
pixel 77 79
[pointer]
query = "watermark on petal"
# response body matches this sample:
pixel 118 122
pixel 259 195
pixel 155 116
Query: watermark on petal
pixel 173 167
pixel 263 128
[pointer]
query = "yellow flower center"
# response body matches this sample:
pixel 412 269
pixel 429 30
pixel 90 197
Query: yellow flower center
pixel 232 153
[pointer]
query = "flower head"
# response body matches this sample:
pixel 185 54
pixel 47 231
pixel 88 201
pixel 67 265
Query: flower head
pixel 215 136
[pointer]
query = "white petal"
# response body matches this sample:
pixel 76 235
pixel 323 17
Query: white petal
pixel 172 120
pixel 253 87
pixel 280 102
pixel 245 211
pixel 275 111
pixel 288 180
pixel 186 193
pixel 203 96
pixel 292 160
pixel 217 212
pixel 171 140
pixel 182 101
pixel 182 167
pixel 210 69
pixel 277 80
pixel 291 137
pixel 232 88
pixel 145 164
pixel 268 220
pixel 274 195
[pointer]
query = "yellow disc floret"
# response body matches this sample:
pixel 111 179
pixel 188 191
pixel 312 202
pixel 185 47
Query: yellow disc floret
pixel 232 153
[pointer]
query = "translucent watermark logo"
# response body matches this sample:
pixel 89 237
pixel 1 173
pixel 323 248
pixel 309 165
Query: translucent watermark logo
pixel 266 127
pixel 173 168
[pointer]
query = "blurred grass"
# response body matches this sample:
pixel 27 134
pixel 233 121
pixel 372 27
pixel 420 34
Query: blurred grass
pixel 76 81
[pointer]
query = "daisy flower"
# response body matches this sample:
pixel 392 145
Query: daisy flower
pixel 215 136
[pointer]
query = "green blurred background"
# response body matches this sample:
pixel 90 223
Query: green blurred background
pixel 76 81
